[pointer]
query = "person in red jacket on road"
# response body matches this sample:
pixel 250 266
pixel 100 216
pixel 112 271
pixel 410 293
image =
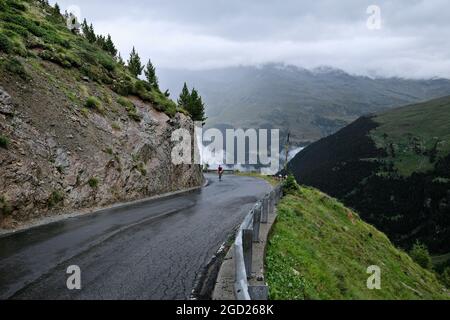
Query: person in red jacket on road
pixel 220 172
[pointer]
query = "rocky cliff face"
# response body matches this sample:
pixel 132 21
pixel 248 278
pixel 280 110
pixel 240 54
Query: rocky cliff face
pixel 58 157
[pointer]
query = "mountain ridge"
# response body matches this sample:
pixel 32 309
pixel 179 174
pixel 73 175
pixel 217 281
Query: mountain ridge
pixel 310 104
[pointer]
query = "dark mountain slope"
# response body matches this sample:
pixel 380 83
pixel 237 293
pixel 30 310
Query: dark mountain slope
pixel 393 167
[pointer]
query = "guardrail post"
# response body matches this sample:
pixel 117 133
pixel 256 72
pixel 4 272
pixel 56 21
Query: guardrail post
pixel 272 202
pixel 265 210
pixel 247 245
pixel 256 222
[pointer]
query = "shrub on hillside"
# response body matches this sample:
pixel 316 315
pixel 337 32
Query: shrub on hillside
pixel 419 253
pixel 17 5
pixel 290 185
pixel 93 182
pixel 4 142
pixel 15 67
pixel 55 198
pixel 107 62
pixel 131 109
pixel 5 208
pixel 5 44
pixel 94 104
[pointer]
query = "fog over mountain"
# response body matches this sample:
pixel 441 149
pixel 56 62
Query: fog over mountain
pixel 311 104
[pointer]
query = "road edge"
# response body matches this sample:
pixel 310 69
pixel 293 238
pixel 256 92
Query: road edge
pixel 57 218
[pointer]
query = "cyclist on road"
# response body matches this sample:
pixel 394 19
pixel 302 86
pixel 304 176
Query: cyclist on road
pixel 220 172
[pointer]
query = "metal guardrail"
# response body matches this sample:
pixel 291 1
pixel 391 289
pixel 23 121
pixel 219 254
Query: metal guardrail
pixel 248 234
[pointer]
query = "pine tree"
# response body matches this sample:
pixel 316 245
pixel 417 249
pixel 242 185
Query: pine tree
pixel 92 36
pixel 150 74
pixel 85 28
pixel 120 60
pixel 57 9
pixel 88 32
pixel 196 107
pixel 110 47
pixel 134 63
pixel 183 101
pixel 101 42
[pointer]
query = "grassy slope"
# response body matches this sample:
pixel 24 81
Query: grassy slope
pixel 413 132
pixel 32 33
pixel 317 252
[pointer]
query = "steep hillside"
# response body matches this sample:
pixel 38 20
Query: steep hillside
pixel 319 249
pixel 311 103
pixel 394 168
pixel 77 130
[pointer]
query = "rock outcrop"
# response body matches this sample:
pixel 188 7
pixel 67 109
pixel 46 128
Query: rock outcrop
pixel 60 158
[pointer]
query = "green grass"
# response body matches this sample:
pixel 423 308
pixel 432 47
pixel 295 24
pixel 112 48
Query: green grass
pixel 409 134
pixel 94 104
pixel 130 108
pixel 14 66
pixel 269 179
pixel 27 30
pixel 320 249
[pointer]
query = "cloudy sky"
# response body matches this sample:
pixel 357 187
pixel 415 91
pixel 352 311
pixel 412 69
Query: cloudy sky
pixel 203 34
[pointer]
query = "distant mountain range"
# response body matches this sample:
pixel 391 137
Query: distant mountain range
pixel 311 104
pixel 393 167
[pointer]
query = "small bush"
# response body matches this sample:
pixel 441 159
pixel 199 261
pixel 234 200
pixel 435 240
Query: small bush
pixel 17 5
pixel 55 198
pixel 14 66
pixel 5 44
pixel 419 253
pixel 123 87
pixel 85 112
pixel 125 103
pixel 94 104
pixel 115 126
pixel 4 142
pixel 163 104
pixel 93 182
pixel 19 30
pixel 30 25
pixel 131 109
pixel 290 186
pixel 107 63
pixel 5 208
pixel 134 116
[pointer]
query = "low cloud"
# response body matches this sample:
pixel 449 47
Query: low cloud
pixel 211 34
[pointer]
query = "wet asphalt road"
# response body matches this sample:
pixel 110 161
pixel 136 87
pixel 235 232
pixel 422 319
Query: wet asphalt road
pixel 151 250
